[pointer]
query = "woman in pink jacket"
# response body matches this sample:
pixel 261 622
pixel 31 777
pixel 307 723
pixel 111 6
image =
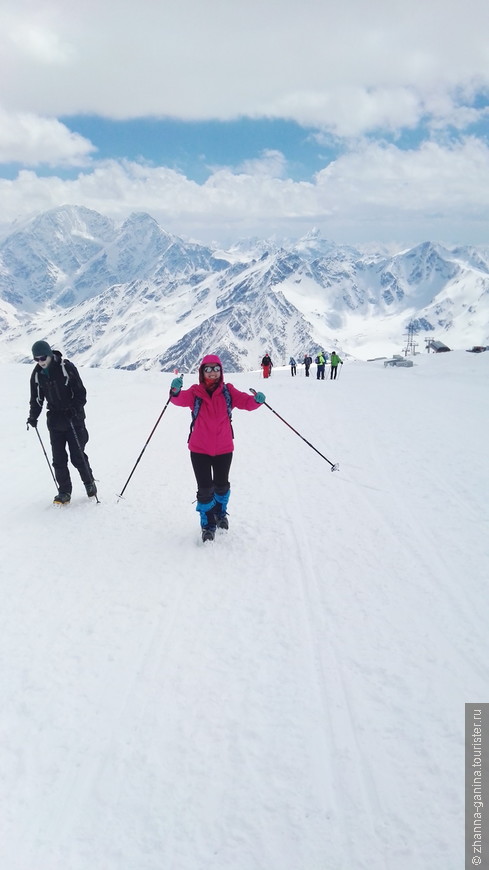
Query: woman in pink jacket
pixel 211 438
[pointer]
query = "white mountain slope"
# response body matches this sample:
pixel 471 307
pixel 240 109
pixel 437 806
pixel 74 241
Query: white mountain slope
pixel 44 254
pixel 291 696
pixel 373 300
pixel 135 296
pixel 70 254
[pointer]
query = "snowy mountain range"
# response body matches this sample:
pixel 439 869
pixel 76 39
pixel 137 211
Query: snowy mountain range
pixel 133 295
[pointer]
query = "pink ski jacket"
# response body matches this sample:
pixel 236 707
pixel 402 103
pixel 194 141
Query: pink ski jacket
pixel 212 432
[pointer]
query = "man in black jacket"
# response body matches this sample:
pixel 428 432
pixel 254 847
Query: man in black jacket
pixel 58 382
pixel 307 363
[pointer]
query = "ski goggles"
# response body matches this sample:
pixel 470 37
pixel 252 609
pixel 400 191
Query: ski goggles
pixel 40 358
pixel 209 369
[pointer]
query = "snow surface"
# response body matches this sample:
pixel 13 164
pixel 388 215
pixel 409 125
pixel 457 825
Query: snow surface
pixel 290 697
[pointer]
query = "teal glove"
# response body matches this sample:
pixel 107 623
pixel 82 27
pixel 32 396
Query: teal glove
pixel 176 385
pixel 260 398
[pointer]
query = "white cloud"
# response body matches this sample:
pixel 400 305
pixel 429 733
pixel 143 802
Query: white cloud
pixel 433 179
pixel 270 164
pixel 349 67
pixel 372 192
pixel 350 111
pixel 40 44
pixel 31 140
pixel 458 117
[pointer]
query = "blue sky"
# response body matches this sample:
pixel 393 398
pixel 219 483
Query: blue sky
pixel 370 123
pixel 196 147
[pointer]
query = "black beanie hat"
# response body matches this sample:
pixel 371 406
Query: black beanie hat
pixel 41 348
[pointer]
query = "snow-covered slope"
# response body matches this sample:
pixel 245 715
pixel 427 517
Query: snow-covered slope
pixel 291 696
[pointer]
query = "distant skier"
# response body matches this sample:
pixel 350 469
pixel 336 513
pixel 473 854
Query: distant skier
pixel 267 365
pixel 321 362
pixel 293 366
pixel 58 382
pixel 211 437
pixel 335 361
pixel 307 363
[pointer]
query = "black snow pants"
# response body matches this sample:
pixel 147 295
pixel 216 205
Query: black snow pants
pixel 211 474
pixel 60 439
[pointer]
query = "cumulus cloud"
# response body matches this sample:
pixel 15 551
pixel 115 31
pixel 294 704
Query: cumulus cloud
pixel 271 163
pixel 350 68
pixel 32 140
pixel 40 44
pixel 433 179
pixel 369 187
pixel 351 111
pixel 346 72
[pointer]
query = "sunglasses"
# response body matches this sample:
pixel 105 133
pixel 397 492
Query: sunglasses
pixel 209 369
pixel 40 358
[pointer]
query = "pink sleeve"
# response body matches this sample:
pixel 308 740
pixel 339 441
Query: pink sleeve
pixel 185 398
pixel 243 401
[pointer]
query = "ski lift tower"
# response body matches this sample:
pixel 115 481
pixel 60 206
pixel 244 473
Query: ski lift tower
pixel 411 344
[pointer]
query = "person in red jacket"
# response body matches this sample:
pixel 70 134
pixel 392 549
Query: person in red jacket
pixel 267 365
pixel 211 439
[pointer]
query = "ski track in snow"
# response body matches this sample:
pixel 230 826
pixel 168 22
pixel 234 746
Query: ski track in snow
pixel 289 696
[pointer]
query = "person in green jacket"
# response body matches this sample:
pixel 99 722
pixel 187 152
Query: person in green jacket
pixel 320 362
pixel 335 360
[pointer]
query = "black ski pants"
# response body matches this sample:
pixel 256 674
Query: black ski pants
pixel 60 439
pixel 211 474
pixel 334 372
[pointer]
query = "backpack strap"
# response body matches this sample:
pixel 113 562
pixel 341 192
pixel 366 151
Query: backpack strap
pixel 229 403
pixel 68 368
pixel 198 403
pixel 39 399
pixel 66 377
pixel 63 369
pixel 195 414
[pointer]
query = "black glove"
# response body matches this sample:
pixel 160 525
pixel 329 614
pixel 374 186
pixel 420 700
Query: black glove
pixel 32 421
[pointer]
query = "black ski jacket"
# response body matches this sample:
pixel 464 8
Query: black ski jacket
pixel 62 388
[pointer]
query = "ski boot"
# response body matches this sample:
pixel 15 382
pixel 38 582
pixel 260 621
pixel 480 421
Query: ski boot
pixel 207 519
pixel 62 498
pixel 222 499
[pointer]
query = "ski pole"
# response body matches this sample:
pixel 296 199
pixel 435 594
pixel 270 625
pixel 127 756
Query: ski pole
pixel 46 455
pixel 82 453
pixel 147 442
pixel 334 465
